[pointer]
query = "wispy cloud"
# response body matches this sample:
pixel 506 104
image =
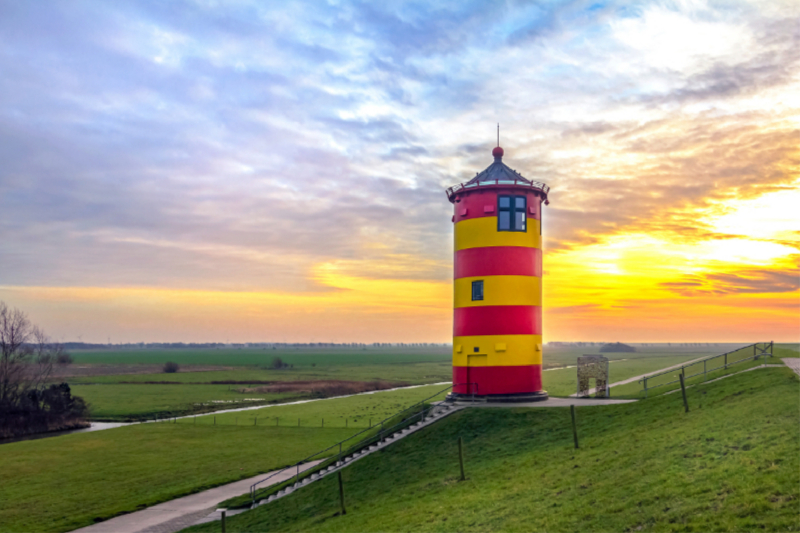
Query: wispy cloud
pixel 235 147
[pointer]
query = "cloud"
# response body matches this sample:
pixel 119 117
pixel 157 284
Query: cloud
pixel 749 281
pixel 226 147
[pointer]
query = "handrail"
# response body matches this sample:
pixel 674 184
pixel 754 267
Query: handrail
pixel 538 185
pixel 766 351
pixel 253 488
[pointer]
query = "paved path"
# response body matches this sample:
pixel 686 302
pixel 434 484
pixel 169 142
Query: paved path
pixel 637 378
pixel 175 515
pixel 793 363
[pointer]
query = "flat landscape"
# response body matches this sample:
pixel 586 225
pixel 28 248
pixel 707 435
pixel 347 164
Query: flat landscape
pixel 55 484
pixel 126 384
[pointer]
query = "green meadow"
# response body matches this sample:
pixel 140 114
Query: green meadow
pixel 65 482
pixel 226 375
pixel 263 357
pixel 730 464
pixel 120 402
pixel 360 411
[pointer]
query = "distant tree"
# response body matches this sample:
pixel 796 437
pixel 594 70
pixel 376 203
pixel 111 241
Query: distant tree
pixel 28 402
pixel 64 359
pixel 616 347
pixel 170 367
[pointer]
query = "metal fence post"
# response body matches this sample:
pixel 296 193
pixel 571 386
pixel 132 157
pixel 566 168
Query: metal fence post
pixel 645 387
pixel 726 361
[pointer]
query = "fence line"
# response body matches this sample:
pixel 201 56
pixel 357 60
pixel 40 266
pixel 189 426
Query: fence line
pixel 760 349
pixel 363 443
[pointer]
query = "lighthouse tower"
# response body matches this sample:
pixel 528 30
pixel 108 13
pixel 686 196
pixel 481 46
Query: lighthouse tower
pixel 497 309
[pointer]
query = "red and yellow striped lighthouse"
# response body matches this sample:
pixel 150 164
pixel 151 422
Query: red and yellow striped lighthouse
pixel 497 309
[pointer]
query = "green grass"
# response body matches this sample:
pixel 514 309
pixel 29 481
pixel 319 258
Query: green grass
pixel 563 382
pixel 62 483
pixel 738 361
pixel 731 464
pixel 357 410
pixel 118 402
pixel 262 357
pixel 411 373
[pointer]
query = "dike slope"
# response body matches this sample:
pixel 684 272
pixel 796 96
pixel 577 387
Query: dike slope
pixel 732 463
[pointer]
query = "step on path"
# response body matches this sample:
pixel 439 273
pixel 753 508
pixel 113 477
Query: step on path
pixel 440 411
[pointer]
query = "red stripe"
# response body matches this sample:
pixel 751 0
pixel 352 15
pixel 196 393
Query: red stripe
pixel 474 203
pixel 498 261
pixel 497 320
pixel 497 379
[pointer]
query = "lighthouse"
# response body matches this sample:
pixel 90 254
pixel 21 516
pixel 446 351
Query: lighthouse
pixel 497 298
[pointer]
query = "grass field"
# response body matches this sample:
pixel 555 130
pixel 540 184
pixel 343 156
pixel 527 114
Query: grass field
pixel 731 464
pixel 356 410
pixel 113 402
pixel 263 357
pixel 411 373
pixel 66 482
pixel 146 396
pixel 55 484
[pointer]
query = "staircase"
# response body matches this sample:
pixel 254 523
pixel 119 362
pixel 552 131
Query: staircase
pixel 431 416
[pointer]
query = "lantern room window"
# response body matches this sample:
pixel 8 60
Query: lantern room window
pixel 477 290
pixel 511 213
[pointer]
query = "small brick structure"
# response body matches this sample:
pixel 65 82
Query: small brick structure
pixel 593 367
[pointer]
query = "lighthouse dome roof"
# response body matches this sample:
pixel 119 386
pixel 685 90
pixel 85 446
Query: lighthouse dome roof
pixel 498 173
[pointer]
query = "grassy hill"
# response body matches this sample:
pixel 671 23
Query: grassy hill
pixel 731 464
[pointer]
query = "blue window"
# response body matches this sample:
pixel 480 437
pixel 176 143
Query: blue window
pixel 477 290
pixel 511 213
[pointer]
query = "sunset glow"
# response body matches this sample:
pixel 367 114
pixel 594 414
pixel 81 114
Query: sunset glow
pixel 253 173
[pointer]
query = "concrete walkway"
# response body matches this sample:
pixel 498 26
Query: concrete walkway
pixel 181 513
pixel 793 363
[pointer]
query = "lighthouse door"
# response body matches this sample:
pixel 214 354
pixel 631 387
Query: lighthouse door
pixel 474 360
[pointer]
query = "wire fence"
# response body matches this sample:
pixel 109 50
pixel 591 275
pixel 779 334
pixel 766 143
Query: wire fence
pixel 704 367
pixel 363 439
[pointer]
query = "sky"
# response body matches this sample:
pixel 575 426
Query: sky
pixel 238 171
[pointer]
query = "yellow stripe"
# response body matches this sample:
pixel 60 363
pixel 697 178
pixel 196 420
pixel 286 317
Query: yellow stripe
pixel 520 350
pixel 499 290
pixel 481 232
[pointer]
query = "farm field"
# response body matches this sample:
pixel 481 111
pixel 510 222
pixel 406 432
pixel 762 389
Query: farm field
pixel 730 464
pixel 263 357
pixel 138 396
pixel 118 402
pixel 411 373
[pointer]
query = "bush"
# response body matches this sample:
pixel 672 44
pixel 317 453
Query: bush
pixel 277 363
pixel 171 368
pixel 64 359
pixel 617 347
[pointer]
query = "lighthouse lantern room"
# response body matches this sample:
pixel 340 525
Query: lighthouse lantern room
pixel 497 309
